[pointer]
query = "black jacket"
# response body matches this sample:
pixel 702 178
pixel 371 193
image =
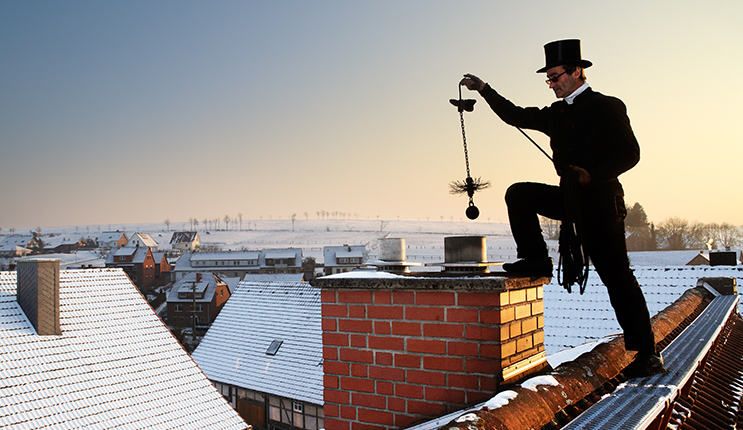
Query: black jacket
pixel 593 133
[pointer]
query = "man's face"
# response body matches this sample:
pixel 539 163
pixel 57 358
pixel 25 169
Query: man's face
pixel 566 83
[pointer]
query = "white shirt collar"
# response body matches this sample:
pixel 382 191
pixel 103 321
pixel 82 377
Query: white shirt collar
pixel 571 98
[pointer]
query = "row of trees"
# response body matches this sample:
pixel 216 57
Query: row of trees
pixel 671 234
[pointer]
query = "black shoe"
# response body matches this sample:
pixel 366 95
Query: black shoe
pixel 541 267
pixel 644 365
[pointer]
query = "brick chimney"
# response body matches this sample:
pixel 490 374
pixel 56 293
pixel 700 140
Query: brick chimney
pixel 398 350
pixel 38 294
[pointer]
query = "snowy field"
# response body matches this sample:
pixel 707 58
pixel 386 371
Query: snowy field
pixel 424 239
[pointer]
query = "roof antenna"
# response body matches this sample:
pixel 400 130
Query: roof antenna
pixel 469 185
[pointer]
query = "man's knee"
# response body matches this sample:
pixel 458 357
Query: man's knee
pixel 515 192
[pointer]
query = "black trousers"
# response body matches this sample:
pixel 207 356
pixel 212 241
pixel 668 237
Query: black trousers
pixel 603 240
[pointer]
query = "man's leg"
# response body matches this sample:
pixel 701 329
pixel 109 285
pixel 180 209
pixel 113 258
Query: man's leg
pixel 525 201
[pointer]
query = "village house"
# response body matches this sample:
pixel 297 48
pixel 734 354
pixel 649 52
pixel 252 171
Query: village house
pixel 199 295
pixel 61 245
pixel 112 239
pixel 138 263
pixel 339 259
pixel 162 268
pixel 240 263
pixel 18 245
pixel 264 354
pixel 185 241
pixel 142 239
pixel 82 349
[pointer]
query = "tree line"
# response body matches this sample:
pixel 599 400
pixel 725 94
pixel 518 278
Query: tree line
pixel 673 233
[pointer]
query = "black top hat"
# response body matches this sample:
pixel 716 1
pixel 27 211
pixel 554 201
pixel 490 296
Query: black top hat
pixel 561 52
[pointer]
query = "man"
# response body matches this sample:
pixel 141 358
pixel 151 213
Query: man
pixel 593 143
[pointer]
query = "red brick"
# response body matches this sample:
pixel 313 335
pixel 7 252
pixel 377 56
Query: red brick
pixel 427 378
pixel 493 316
pixel 376 417
pixel 369 400
pixel 385 388
pixel 359 370
pixel 443 363
pixel 331 410
pixel 354 296
pixel 443 330
pixel 356 356
pixel 327 296
pixel 445 395
pixel 395 404
pixel 358 340
pixel 479 299
pixel 403 298
pixel 485 367
pixel 462 315
pixel 474 332
pixel 330 381
pixel 464 381
pixel 382 327
pixel 334 339
pixel 356 311
pixel 406 360
pixel 335 368
pixel 488 384
pixel 409 391
pixel 383 297
pixel 334 424
pixel 424 314
pixel 348 412
pixel 383 358
pixel 329 353
pixel 423 408
pixel 386 373
pixel 334 310
pixel 385 312
pixel 357 384
pixel 357 326
pixel 336 396
pixel 400 328
pixel 388 343
pixel 427 346
pixel 469 349
pixel 435 298
pixel 329 324
pixel 491 350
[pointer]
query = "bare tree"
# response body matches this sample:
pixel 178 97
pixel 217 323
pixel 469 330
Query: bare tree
pixel 227 220
pixel 240 217
pixel 167 224
pixel 550 227
pixel 674 233
pixel 294 217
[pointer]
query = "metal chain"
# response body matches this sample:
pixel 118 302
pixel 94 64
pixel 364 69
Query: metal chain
pixel 464 138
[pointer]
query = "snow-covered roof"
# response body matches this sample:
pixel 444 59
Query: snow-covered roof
pixel 332 253
pixel 114 365
pixel 110 236
pixel 223 255
pixel 206 285
pixel 142 239
pixel 286 312
pixel 283 253
pixel 183 237
pixel 573 319
pixel 16 240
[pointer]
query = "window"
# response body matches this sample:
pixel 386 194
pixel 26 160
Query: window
pixel 178 308
pixel 274 347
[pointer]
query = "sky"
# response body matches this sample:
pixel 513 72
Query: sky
pixel 139 111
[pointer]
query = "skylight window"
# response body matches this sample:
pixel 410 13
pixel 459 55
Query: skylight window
pixel 274 347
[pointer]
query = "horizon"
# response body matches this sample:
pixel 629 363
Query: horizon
pixel 139 111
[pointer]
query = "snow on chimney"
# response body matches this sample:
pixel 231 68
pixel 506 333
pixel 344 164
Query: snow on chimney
pixel 38 294
pixel 398 350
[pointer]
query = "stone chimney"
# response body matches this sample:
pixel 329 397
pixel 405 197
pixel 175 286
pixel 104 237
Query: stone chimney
pixel 399 350
pixel 38 294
